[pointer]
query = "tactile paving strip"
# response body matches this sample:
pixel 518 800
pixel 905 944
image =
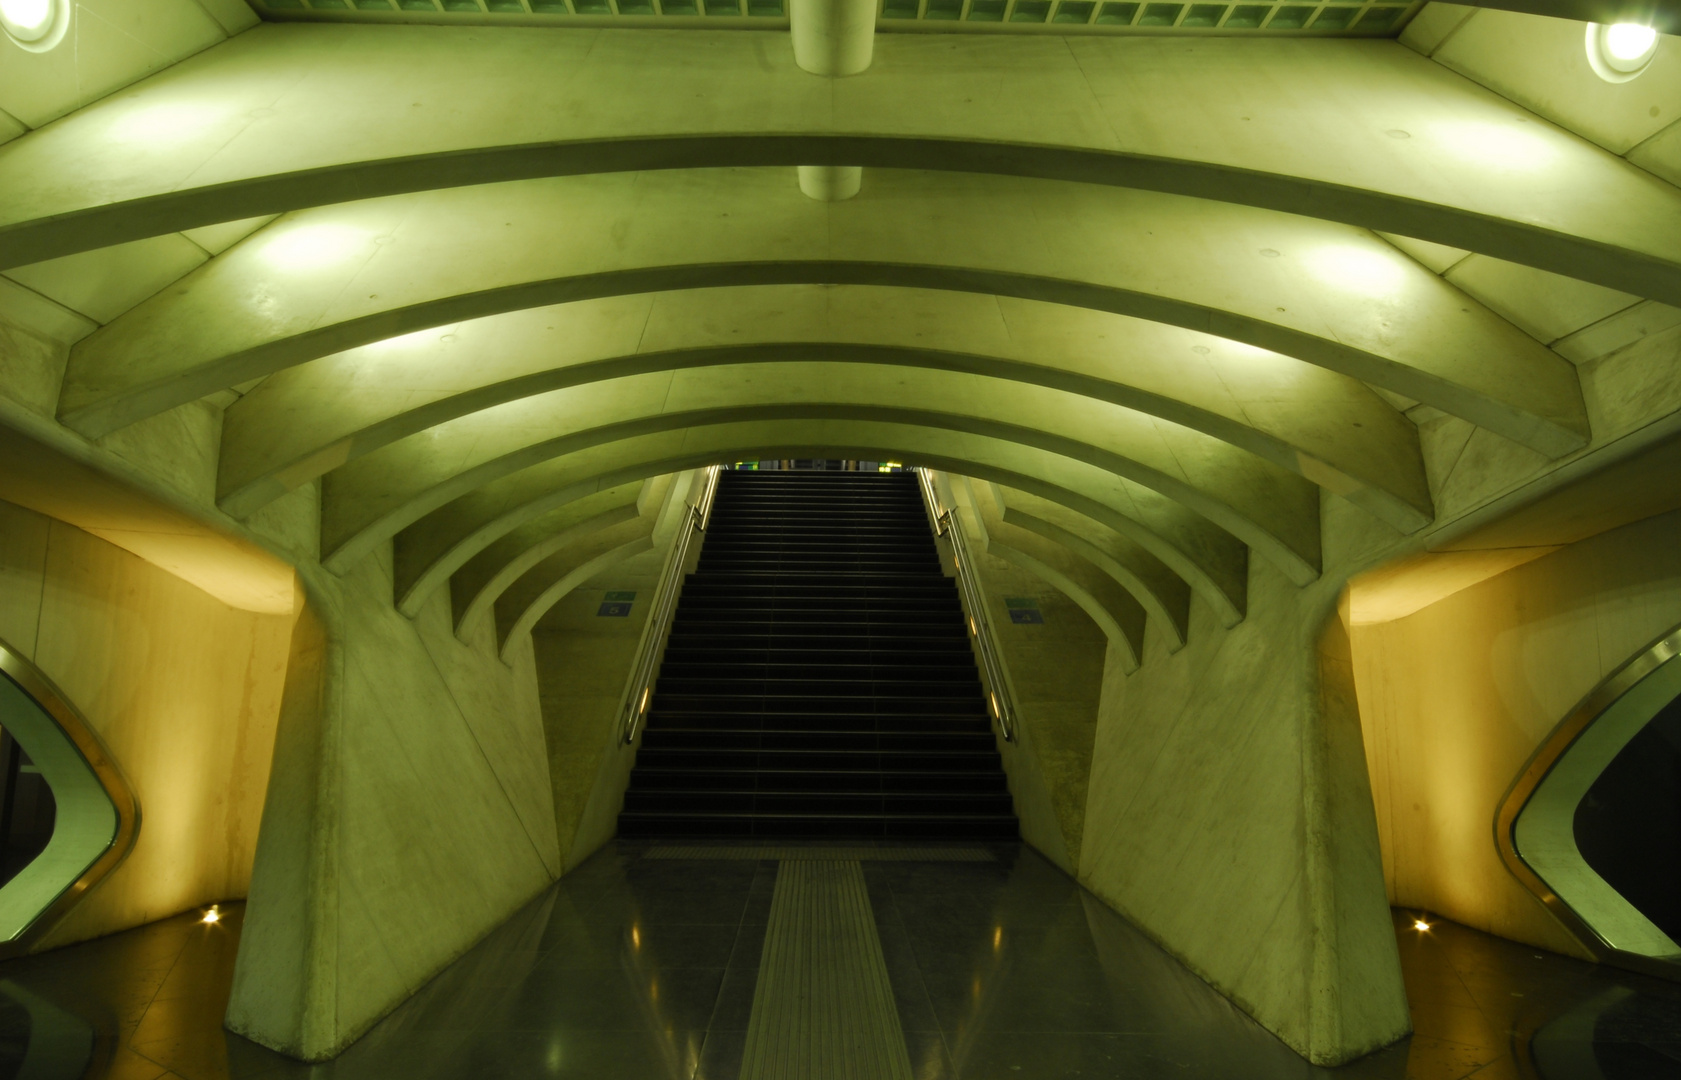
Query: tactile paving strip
pixel 795 854
pixel 823 1007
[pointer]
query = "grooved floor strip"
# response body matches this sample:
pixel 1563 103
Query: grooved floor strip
pixel 862 854
pixel 823 1008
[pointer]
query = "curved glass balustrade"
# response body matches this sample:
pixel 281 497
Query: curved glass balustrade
pixel 1593 826
pixel 69 818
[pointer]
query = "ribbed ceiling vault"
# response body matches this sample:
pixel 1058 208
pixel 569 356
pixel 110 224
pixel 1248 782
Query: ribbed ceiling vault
pixel 525 279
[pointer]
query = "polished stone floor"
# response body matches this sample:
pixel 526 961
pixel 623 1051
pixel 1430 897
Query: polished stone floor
pixel 636 967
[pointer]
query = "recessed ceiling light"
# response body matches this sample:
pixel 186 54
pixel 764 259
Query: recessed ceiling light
pixel 36 25
pixel 1620 51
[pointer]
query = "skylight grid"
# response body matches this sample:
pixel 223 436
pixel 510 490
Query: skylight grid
pixel 1350 18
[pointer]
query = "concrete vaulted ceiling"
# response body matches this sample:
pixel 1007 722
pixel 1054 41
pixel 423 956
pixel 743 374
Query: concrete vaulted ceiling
pixel 524 278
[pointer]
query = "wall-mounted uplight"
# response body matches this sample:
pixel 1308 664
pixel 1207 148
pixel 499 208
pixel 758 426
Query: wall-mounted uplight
pixel 212 917
pixel 36 25
pixel 1420 925
pixel 1620 51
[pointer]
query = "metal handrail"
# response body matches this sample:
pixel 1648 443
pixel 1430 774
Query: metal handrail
pixel 639 690
pixel 992 665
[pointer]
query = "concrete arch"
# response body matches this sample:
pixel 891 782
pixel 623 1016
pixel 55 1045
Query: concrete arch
pixel 1326 294
pixel 204 142
pixel 1114 610
pixel 1271 510
pixel 474 596
pixel 435 547
pixel 1197 547
pixel 544 585
pixel 1104 548
pixel 302 421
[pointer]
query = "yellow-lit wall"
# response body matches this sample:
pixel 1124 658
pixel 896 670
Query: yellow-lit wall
pixel 1455 698
pixel 183 690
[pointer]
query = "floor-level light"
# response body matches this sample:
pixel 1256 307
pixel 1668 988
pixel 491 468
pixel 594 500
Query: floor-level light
pixel 212 916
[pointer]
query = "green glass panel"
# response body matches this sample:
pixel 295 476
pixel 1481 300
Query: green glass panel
pixel 679 7
pixel 1161 14
pixel 329 5
pixel 765 9
pixel 1074 11
pixel 1290 18
pixel 428 5
pixel 1117 14
pixel 636 7
pixel 899 9
pixel 506 7
pixel 986 11
pixel 723 7
pixel 592 7
pixel 1335 18
pixel 1204 15
pixel 1247 17
pixel 1379 18
pixel 284 5
pixel 944 10
pixel 373 5
pixel 462 5
pixel 1033 11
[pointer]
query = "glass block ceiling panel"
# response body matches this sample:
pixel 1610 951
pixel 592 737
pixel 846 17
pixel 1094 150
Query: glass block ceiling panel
pixel 1350 18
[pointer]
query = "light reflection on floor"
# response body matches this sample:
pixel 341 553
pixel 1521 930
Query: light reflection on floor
pixel 633 968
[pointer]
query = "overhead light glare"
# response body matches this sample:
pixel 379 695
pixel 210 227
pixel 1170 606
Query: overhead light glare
pixel 312 247
pixel 1620 51
pixel 1420 924
pixel 36 25
pixel 212 917
pixel 1357 268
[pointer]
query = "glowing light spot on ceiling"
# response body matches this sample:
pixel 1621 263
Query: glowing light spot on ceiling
pixel 1515 146
pixel 311 247
pixel 1630 41
pixel 1359 269
pixel 1620 51
pixel 164 122
pixel 25 17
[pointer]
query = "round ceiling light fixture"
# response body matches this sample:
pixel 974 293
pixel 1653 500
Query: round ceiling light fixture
pixel 36 25
pixel 1620 51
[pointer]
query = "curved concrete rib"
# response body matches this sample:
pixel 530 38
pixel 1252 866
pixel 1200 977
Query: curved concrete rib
pixel 1326 294
pixel 474 589
pixel 1167 511
pixel 1113 609
pixel 1110 552
pixel 1271 510
pixel 541 587
pixel 435 546
pixel 1302 127
pixel 301 422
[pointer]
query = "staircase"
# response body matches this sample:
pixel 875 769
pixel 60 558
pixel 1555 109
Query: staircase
pixel 818 682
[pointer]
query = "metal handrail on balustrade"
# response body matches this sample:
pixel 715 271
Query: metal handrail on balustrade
pixel 974 600
pixel 639 691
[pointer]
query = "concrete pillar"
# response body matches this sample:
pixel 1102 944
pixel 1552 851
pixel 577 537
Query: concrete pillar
pixel 408 813
pixel 833 38
pixel 831 183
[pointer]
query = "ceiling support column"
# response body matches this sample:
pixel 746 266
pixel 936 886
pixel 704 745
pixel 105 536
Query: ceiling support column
pixel 833 38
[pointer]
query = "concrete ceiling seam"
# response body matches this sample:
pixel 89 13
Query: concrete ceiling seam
pixel 1338 165
pixel 300 422
pixel 1326 294
pixel 1270 509
pixel 429 551
pixel 1171 530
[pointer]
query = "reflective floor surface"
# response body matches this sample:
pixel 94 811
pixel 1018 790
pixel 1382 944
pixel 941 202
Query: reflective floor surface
pixel 633 967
